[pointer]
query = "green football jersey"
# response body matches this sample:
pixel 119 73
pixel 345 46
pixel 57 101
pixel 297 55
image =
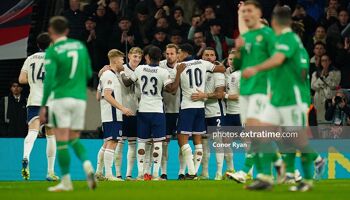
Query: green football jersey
pixel 288 86
pixel 68 69
pixel 258 47
pixel 305 83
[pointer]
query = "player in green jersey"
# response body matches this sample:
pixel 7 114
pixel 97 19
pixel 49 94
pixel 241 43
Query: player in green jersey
pixel 255 46
pixel 68 69
pixel 288 78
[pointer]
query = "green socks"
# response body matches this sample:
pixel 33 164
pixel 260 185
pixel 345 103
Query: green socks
pixel 63 157
pixel 249 162
pixel 79 149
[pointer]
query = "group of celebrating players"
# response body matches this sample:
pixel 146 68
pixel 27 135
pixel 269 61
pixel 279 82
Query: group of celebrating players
pixel 266 84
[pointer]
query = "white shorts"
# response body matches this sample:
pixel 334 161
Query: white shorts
pixel 294 115
pixel 252 106
pixel 68 113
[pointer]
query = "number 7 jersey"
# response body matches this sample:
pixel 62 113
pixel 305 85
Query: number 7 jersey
pixel 68 69
pixel 34 67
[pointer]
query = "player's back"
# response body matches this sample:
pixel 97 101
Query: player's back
pixel 232 88
pixel 193 78
pixel 171 100
pixel 34 67
pixel 73 68
pixel 151 79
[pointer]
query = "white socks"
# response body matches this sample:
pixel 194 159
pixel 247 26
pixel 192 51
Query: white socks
pixel 198 155
pixel 164 164
pixel 66 180
pixel 131 157
pixel 118 157
pixel 108 162
pixel 100 159
pixel 219 163
pixel 50 153
pixel 29 142
pixel 229 161
pixel 182 163
pixel 205 159
pixel 157 157
pixel 188 157
pixel 87 166
pixel 141 158
pixel 148 158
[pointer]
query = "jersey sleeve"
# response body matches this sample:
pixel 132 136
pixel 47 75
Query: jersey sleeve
pixel 108 81
pixel 286 46
pixel 271 41
pixel 50 73
pixel 219 80
pixel 208 65
pixel 133 76
pixel 25 67
pixel 304 59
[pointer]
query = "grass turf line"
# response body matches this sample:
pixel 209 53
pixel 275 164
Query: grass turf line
pixel 37 190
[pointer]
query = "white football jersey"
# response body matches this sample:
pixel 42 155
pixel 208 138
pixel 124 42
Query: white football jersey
pixel 130 96
pixel 214 107
pixel 193 78
pixel 35 69
pixel 110 80
pixel 151 80
pixel 232 88
pixel 171 100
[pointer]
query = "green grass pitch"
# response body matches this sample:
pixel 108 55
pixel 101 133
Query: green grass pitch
pixel 325 189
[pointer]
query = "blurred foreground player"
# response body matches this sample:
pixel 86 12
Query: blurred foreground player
pixel 33 73
pixel 68 69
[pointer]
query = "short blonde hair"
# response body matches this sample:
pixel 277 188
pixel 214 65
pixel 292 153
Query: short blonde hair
pixel 171 45
pixel 115 53
pixel 136 50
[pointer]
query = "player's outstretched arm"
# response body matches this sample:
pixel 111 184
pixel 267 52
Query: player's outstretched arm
pixel 172 87
pixel 275 61
pixel 111 100
pixel 127 81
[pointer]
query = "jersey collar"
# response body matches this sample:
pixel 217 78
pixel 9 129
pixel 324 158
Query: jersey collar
pixel 153 65
pixel 189 58
pixel 61 39
pixel 286 30
pixel 128 65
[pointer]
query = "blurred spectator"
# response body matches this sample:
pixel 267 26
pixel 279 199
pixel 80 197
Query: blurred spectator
pixel 338 110
pixel 158 8
pixel 160 38
pixel 314 8
pixel 163 23
pixel 13 113
pixel 315 61
pixel 218 41
pixel 143 25
pixel 300 14
pixel 319 36
pixel 343 61
pixel 324 82
pixel 199 43
pixel 176 37
pixel 113 11
pixel 102 31
pixel 76 20
pixel 334 39
pixel 177 21
pixel 124 38
pixel 89 36
pixel 196 22
pixel 207 16
pixel 331 14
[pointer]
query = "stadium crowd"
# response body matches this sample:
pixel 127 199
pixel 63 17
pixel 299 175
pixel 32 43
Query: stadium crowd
pixel 116 24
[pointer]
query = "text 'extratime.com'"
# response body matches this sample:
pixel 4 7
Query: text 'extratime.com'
pixel 254 134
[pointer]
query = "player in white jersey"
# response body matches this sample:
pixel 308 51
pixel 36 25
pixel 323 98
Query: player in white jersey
pixel 32 73
pixel 171 104
pixel 214 112
pixel 192 116
pixel 151 118
pixel 112 110
pixel 130 100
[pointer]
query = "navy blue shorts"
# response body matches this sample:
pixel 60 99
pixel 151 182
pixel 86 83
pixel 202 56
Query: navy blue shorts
pixel 129 127
pixel 151 126
pixel 215 121
pixel 112 130
pixel 32 113
pixel 191 121
pixel 233 120
pixel 171 123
